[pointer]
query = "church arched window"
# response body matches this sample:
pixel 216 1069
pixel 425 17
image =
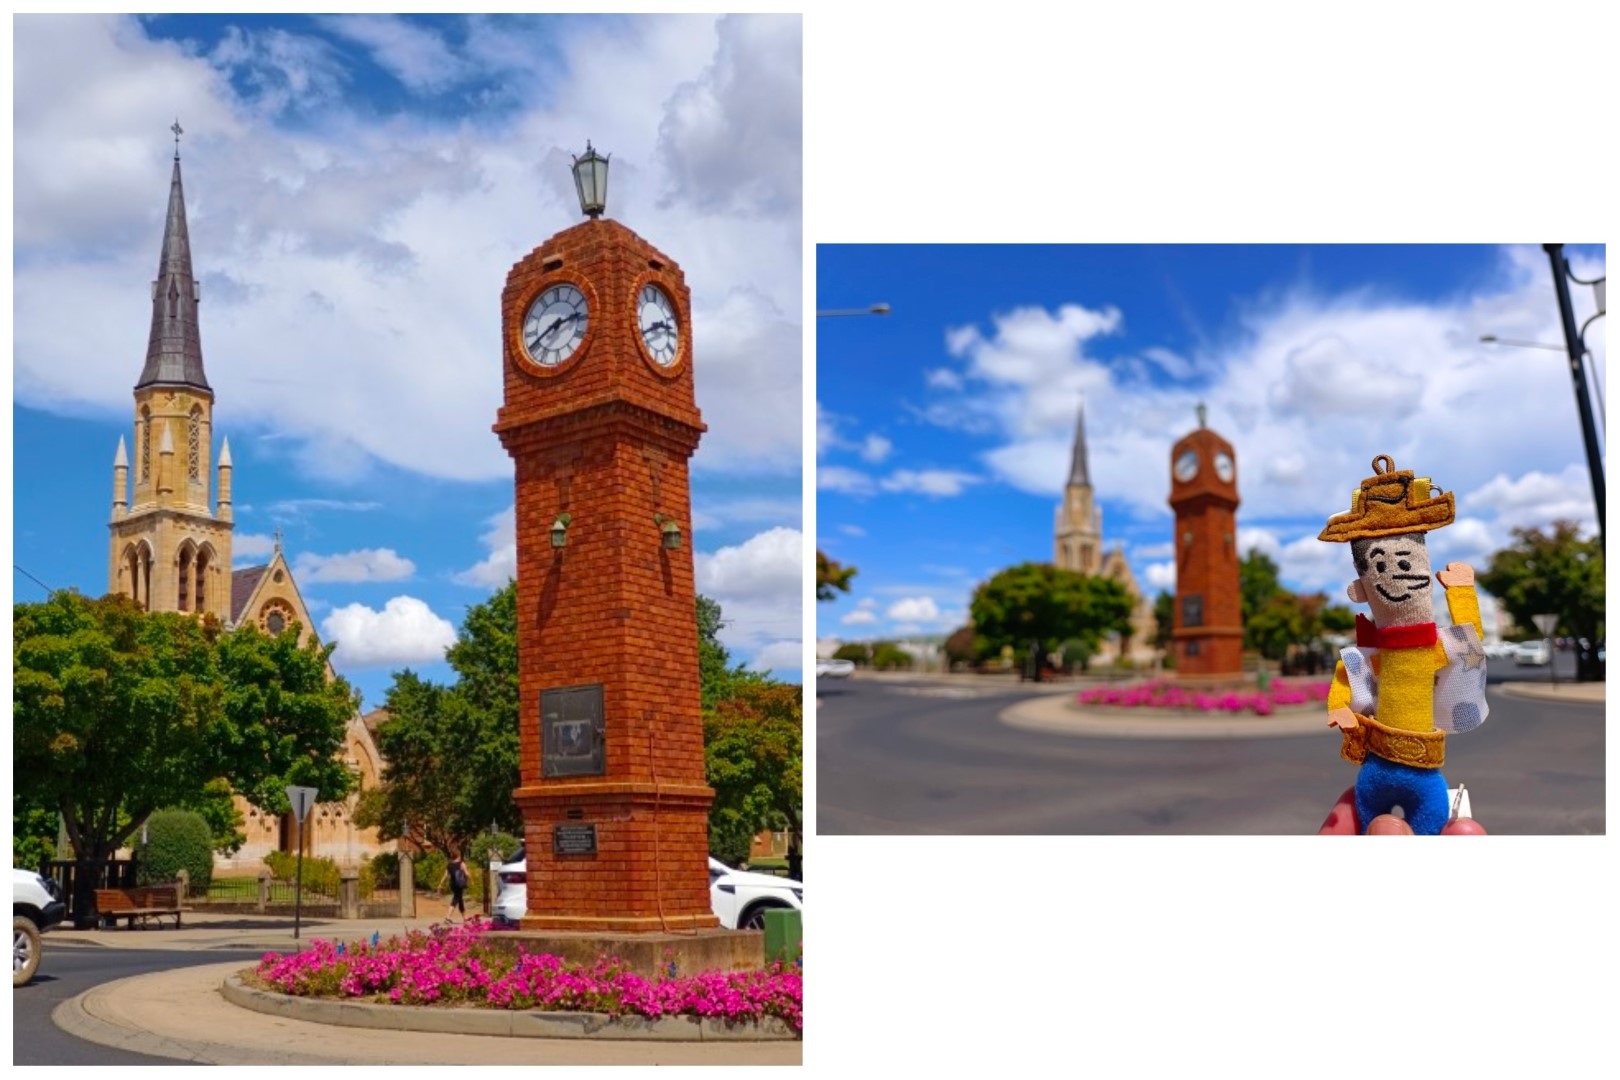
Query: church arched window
pixel 184 584
pixel 193 447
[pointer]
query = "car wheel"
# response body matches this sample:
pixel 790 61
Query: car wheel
pixel 755 917
pixel 24 949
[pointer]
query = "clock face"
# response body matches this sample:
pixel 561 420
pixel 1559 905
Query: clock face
pixel 555 325
pixel 655 315
pixel 1186 466
pixel 1223 467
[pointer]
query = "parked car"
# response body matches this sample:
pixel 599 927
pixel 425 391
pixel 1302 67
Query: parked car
pixel 834 669
pixel 36 905
pixel 1500 650
pixel 1532 652
pixel 739 898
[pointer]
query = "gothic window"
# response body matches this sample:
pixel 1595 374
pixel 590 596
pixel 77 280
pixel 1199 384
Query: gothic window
pixel 193 454
pixel 204 564
pixel 185 578
pixel 146 443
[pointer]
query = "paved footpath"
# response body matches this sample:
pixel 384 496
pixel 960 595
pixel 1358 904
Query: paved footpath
pixel 181 1014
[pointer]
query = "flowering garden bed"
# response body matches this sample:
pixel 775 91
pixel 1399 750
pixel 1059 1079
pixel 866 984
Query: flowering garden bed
pixel 454 966
pixel 1160 694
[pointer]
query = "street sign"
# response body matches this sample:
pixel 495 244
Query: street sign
pixel 302 798
pixel 1545 623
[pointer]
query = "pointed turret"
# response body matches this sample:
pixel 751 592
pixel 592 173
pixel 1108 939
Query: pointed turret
pixel 224 511
pixel 174 350
pixel 1078 474
pixel 120 482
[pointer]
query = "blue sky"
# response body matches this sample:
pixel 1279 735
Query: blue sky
pixel 357 188
pixel 944 428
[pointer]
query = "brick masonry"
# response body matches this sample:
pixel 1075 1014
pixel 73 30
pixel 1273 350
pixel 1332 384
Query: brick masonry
pixel 606 437
pixel 1207 560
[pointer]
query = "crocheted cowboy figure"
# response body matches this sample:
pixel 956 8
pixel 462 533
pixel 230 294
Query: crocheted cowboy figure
pixel 1404 685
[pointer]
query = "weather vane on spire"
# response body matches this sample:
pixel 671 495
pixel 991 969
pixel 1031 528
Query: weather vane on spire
pixel 178 131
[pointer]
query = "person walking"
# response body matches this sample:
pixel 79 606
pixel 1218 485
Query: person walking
pixel 456 874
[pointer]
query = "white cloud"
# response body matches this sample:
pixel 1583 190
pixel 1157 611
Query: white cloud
pixel 760 587
pixel 779 656
pixel 914 609
pixel 875 449
pixel 847 481
pixel 1536 498
pixel 252 545
pixel 1161 575
pixel 859 617
pixel 405 631
pixel 500 565
pixel 942 379
pixel 942 482
pixel 366 564
pixel 1156 551
pixel 867 604
pixel 346 259
pixel 852 530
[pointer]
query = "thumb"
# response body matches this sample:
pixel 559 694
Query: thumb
pixel 1388 825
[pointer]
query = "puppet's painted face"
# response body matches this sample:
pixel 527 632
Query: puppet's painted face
pixel 1393 579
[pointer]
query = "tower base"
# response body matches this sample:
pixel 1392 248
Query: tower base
pixel 648 955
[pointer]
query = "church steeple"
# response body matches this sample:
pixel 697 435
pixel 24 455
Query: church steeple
pixel 1078 474
pixel 174 350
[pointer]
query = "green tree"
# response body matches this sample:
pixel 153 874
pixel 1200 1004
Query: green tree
pixel 959 648
pixel 831 578
pixel 1037 602
pixel 1553 572
pixel 717 678
pixel 1258 585
pixel 1164 616
pixel 855 651
pixel 886 656
pixel 173 840
pixel 1338 619
pixel 119 711
pixel 754 755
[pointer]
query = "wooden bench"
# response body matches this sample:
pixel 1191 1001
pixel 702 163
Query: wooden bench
pixel 144 903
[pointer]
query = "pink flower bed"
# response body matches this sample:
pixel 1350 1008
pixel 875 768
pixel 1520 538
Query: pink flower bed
pixel 1162 695
pixel 454 966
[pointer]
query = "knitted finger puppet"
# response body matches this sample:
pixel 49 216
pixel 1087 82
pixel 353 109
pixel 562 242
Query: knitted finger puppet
pixel 1404 685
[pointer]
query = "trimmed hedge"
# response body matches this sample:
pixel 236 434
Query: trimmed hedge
pixel 175 840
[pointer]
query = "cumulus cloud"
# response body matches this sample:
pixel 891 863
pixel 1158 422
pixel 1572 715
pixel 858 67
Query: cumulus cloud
pixel 405 631
pixel 500 565
pixel 875 448
pixel 779 656
pixel 943 482
pixel 1537 498
pixel 366 564
pixel 914 609
pixel 252 545
pixel 356 257
pixel 1161 575
pixel 859 617
pixel 759 585
pixel 847 481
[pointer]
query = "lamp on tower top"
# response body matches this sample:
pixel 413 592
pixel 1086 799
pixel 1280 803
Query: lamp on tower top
pixel 590 178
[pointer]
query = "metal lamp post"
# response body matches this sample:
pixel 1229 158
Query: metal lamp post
pixel 590 180
pixel 874 309
pixel 1575 343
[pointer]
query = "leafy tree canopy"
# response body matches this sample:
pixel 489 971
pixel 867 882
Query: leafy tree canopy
pixel 831 578
pixel 1554 572
pixel 1164 617
pixel 119 711
pixel 1039 602
pixel 754 754
pixel 1258 585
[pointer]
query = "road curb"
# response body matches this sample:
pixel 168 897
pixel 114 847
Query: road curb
pixel 501 1022
pixel 1564 693
pixel 1060 717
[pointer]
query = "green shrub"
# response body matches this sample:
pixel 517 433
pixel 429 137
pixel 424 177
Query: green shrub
pixel 886 655
pixel 429 871
pixel 854 651
pixel 384 868
pixel 502 845
pixel 175 840
pixel 321 876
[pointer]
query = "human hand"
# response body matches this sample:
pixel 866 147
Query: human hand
pixel 1341 821
pixel 1456 575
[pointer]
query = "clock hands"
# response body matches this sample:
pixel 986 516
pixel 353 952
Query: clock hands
pixel 555 323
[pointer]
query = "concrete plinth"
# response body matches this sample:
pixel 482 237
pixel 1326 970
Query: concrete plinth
pixel 648 955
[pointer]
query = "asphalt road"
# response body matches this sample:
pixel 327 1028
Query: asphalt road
pixel 932 758
pixel 65 971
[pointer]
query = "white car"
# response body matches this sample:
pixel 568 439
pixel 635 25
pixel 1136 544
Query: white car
pixel 834 669
pixel 35 905
pixel 1532 652
pixel 739 898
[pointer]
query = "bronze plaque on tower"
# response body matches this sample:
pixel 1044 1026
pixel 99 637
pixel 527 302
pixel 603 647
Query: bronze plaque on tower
pixel 571 732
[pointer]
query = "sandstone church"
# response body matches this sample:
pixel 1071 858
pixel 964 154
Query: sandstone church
pixel 1078 543
pixel 170 549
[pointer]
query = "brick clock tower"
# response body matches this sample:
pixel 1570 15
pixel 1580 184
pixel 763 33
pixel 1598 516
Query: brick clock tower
pixel 1209 612
pixel 601 420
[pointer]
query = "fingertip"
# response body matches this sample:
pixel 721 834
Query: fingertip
pixel 1388 825
pixel 1341 820
pixel 1466 826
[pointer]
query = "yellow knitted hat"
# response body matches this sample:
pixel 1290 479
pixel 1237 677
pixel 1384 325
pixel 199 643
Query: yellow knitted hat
pixel 1391 503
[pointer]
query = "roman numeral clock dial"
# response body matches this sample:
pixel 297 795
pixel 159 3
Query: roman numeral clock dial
pixel 660 333
pixel 555 325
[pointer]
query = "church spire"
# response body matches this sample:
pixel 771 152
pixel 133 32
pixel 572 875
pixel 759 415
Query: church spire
pixel 1078 474
pixel 174 350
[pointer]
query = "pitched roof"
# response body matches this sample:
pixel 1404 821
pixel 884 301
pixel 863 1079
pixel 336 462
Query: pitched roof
pixel 243 582
pixel 174 350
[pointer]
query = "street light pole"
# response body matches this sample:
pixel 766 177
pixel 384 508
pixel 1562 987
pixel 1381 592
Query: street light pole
pixel 875 309
pixel 1577 370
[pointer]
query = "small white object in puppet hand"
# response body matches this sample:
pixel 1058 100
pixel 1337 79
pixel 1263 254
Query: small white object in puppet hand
pixel 1459 802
